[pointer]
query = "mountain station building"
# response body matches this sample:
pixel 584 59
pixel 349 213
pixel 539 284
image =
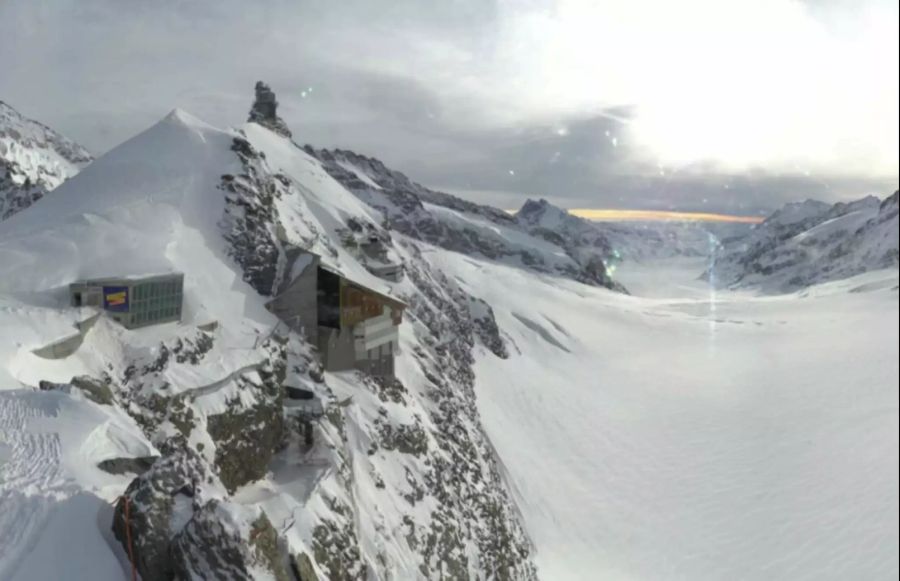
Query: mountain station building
pixel 352 325
pixel 133 301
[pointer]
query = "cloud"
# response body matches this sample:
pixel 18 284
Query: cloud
pixel 695 105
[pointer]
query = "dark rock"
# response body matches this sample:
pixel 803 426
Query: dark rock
pixel 137 465
pixel 404 438
pixel 45 385
pixel 485 327
pixel 156 502
pixel 95 390
pixel 264 110
pixel 298 393
pixel 247 437
pixel 302 567
pixel 250 218
pixel 213 545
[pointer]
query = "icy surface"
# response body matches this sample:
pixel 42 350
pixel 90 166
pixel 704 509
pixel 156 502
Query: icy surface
pixel 696 435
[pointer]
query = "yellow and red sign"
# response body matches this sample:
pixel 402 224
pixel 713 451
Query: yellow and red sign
pixel 115 298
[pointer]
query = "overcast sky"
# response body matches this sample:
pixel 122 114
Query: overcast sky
pixel 697 105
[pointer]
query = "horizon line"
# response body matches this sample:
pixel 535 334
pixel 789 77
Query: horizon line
pixel 612 215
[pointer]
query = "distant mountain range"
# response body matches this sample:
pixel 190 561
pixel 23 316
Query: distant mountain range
pixel 810 242
pixel 34 159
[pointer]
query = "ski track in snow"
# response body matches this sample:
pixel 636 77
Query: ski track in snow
pixel 30 479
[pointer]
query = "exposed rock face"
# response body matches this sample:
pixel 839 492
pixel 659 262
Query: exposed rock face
pixel 250 215
pixel 252 223
pixel 474 510
pixel 811 242
pixel 159 503
pixel 180 526
pixel 246 437
pixel 303 568
pixel 264 110
pixel 97 391
pixel 470 528
pixel 403 203
pixel 137 465
pixel 485 327
pixel 216 544
pixel 34 159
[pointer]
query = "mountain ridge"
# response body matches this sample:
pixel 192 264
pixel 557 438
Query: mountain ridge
pixel 810 242
pixel 34 159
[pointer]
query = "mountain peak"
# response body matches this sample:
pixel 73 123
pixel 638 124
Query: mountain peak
pixel 542 213
pixel 34 159
pixel 264 110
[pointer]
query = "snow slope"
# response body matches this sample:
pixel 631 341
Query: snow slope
pixel 52 493
pixel 34 159
pixel 400 476
pixel 455 224
pixel 809 242
pixel 696 434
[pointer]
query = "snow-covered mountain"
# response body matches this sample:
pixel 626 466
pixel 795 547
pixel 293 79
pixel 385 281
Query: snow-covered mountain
pixel 34 159
pixel 811 242
pixel 616 242
pixel 456 224
pixel 401 481
pixel 538 426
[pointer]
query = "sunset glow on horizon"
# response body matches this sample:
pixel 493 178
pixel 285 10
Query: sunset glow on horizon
pixel 610 215
pixel 660 216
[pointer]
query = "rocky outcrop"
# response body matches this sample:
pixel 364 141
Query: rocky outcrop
pixel 158 504
pixel 217 544
pixel 247 436
pixel 250 215
pixel 95 390
pixel 303 568
pixel 175 523
pixel 810 242
pixel 137 465
pixel 485 327
pixel 264 111
pixel 34 159
pixel 473 510
pixel 403 204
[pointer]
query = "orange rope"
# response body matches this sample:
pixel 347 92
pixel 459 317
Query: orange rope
pixel 128 537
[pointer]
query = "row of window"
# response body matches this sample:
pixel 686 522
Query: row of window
pixel 150 290
pixel 155 315
pixel 155 303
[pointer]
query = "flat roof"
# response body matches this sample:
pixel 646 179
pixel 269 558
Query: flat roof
pixel 129 278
